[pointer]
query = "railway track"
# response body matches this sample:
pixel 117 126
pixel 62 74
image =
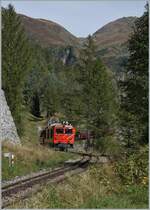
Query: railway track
pixel 100 158
pixel 21 189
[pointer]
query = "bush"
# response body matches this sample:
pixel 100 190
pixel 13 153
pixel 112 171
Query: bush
pixel 134 168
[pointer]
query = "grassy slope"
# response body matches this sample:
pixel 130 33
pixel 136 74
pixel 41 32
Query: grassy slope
pixel 31 156
pixel 31 124
pixel 31 159
pixel 97 188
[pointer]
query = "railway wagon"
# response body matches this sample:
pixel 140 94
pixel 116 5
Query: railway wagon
pixel 84 135
pixel 58 135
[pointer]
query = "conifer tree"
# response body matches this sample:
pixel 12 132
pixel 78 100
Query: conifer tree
pixel 16 58
pixel 67 94
pixel 51 95
pixel 135 85
pixel 99 97
pixel 36 79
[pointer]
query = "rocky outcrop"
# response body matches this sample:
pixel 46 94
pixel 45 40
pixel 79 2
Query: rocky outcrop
pixel 7 126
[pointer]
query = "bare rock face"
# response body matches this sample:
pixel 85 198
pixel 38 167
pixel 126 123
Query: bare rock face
pixel 7 126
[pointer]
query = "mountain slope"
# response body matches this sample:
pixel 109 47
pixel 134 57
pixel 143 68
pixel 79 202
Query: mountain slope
pixel 48 33
pixel 114 33
pixel 112 40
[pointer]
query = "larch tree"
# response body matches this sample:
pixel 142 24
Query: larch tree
pixel 16 59
pixel 99 94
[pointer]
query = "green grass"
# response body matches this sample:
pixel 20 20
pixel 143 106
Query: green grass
pixel 135 196
pixel 31 159
pixel 97 188
pixel 31 124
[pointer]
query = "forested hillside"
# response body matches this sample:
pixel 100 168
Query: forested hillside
pixel 99 84
pixel 111 40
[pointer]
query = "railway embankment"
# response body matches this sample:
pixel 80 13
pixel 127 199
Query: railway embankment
pixel 22 188
pixel 118 184
pixel 97 187
pixel 30 159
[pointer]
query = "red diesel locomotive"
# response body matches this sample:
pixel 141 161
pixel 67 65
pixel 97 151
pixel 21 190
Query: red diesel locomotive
pixel 58 135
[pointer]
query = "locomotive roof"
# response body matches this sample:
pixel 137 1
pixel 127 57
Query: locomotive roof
pixel 64 126
pixel 60 125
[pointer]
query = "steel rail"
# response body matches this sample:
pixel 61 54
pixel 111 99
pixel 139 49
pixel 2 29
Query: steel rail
pixel 89 154
pixel 6 186
pixel 12 189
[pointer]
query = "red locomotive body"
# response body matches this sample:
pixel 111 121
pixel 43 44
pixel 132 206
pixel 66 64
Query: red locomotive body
pixel 58 135
pixel 64 134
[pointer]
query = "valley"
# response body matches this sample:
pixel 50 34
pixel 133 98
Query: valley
pixel 66 98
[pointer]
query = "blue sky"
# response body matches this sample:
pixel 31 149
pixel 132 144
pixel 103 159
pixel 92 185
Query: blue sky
pixel 81 18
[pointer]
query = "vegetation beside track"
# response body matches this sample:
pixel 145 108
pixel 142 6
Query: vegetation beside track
pixel 31 159
pixel 102 186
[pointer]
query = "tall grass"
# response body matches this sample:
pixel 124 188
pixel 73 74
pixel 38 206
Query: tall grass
pixel 30 159
pixel 99 187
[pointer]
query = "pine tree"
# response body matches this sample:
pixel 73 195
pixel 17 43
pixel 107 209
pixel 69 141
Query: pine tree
pixel 135 85
pixel 16 58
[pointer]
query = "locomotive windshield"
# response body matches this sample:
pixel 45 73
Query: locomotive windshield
pixel 68 131
pixel 59 130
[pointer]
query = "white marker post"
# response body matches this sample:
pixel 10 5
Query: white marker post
pixel 12 160
pixel 10 157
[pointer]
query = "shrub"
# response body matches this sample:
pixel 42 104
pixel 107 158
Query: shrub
pixel 134 168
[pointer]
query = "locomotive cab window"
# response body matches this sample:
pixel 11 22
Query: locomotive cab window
pixel 68 131
pixel 59 130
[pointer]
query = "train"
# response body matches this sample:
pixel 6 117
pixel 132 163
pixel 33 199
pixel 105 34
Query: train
pixel 63 135
pixel 58 135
